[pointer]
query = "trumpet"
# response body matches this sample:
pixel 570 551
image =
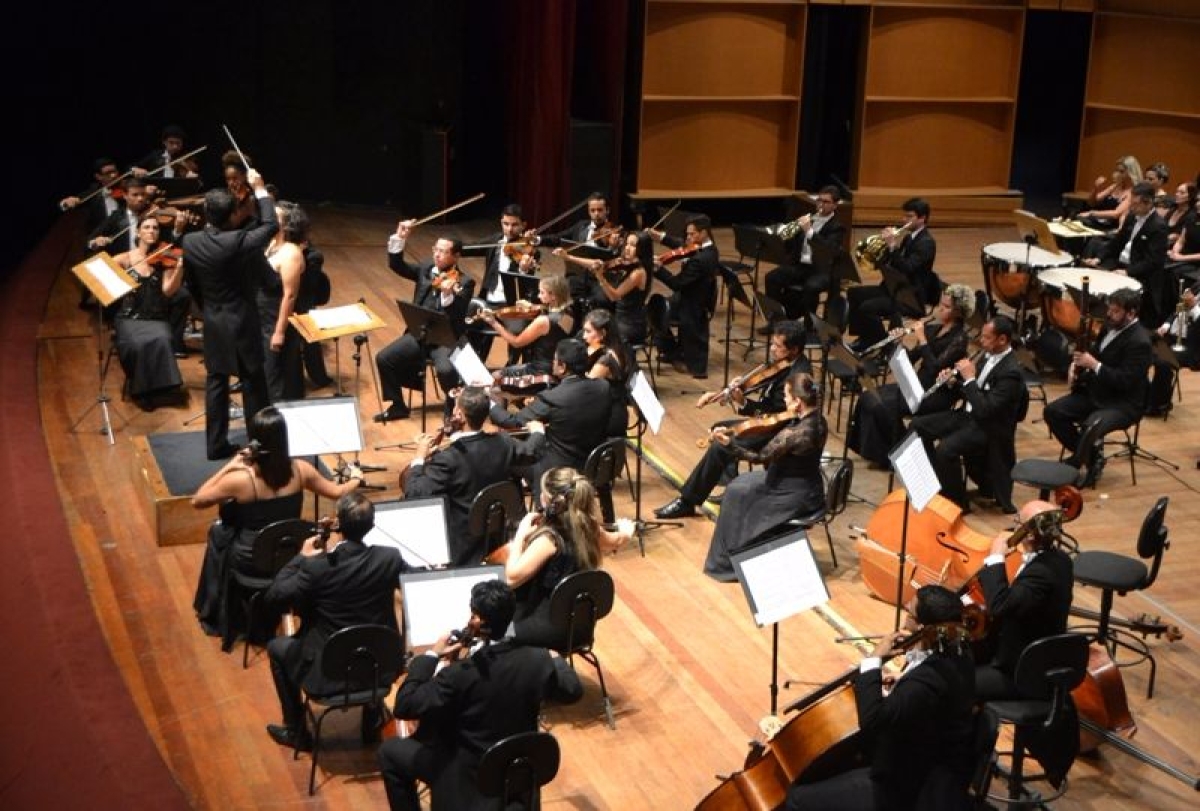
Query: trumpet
pixel 871 252
pixel 1180 327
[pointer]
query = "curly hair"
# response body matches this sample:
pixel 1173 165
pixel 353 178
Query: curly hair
pixel 962 300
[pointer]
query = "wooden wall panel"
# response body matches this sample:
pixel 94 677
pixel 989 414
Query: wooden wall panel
pixel 1113 133
pixel 928 146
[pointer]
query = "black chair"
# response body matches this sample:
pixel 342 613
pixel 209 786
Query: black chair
pixel 946 789
pixel 494 513
pixel 578 602
pixel 1121 574
pixel 274 546
pixel 1047 475
pixel 1043 717
pixel 602 467
pixel 365 660
pixel 837 494
pixel 657 313
pixel 515 769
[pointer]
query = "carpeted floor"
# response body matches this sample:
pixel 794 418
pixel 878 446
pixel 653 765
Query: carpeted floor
pixel 182 461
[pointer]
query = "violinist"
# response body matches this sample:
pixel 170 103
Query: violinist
pixel 488 691
pixel 609 359
pixel 877 424
pixel 440 286
pixel 173 138
pixel 102 201
pixel 466 461
pixel 540 336
pixel 1033 606
pixel 598 231
pixel 277 298
pixel 625 281
pixel 143 336
pixel 799 284
pixel 919 736
pixel 695 291
pixel 504 256
pixel 759 501
pixel 719 461
pixel 118 232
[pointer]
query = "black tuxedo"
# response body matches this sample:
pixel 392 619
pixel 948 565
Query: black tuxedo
pixel 925 722
pixel 1114 397
pixel 1147 261
pixel 460 471
pixel 353 584
pixel 798 285
pixel 1032 607
pixel 464 709
pixel 987 432
pixel 227 267
pixel 118 222
pixel 915 287
pixel 584 286
pixel 695 289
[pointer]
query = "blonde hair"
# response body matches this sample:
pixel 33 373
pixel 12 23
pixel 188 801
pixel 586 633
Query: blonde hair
pixel 558 288
pixel 1132 168
pixel 573 512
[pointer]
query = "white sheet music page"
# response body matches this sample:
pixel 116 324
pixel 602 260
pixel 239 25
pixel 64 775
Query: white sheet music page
pixel 783 581
pixel 317 427
pixel 417 531
pixel 912 465
pixel 115 284
pixel 906 377
pixel 469 367
pixel 348 315
pixel 647 401
pixel 439 602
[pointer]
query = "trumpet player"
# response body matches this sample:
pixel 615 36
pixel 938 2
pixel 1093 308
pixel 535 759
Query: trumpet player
pixel 798 286
pixel 909 285
pixel 1183 333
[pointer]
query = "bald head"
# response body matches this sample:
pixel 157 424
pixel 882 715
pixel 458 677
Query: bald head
pixel 1035 507
pixel 1045 523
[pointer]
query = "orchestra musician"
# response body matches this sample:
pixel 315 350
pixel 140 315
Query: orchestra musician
pixel 1108 386
pixel 1108 201
pixel 1139 249
pixel 464 463
pixel 472 689
pixel 719 460
pixel 237 183
pixel 1033 606
pixel 1182 332
pixel 798 286
pixel 118 231
pixel 225 261
pixel 104 203
pixel 277 297
pixel 695 288
pixel 790 485
pixel 598 231
pixel 173 138
pixel 540 336
pixel 504 256
pixel 877 424
pixel 143 336
pixel 609 359
pixel 332 584
pixel 983 429
pixel 575 411
pixel 565 536
pixel 912 251
pixel 440 286
pixel 917 728
pixel 625 281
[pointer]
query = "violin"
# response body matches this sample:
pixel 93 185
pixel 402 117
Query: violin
pixel 326 526
pixel 167 260
pixel 449 281
pixel 525 384
pixel 760 375
pixel 522 310
pixel 753 426
pixel 518 250
pixel 617 268
pixel 450 427
pixel 499 555
pixel 667 257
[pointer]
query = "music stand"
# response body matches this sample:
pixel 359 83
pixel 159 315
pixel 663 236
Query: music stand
pixel 429 328
pixel 429 598
pixel 650 415
pixel 108 282
pixel 416 528
pixel 753 240
pixel 325 426
pixel 733 292
pixel 325 323
pixel 519 286
pixel 780 578
pixel 920 482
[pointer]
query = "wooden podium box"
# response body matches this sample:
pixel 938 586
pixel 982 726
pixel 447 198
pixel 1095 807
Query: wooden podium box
pixel 173 517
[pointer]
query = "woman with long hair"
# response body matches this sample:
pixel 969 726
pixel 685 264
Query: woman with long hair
pixel 1109 201
pixel 567 535
pixel 609 359
pixel 260 485
pixel 540 337
pixel 625 281
pixel 282 345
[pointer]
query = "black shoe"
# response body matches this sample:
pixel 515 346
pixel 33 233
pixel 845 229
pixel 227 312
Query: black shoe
pixel 680 367
pixel 1092 477
pixel 224 452
pixel 715 499
pixel 1008 509
pixel 396 411
pixel 676 509
pixel 298 739
pixel 371 729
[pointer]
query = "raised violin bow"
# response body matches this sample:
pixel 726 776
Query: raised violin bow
pixel 562 216
pixel 663 218
pixel 236 148
pixel 154 254
pixel 437 214
pixel 182 158
pixel 107 185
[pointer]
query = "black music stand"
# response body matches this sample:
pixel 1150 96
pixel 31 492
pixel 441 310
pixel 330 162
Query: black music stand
pixel 429 328
pixel 733 292
pixel 640 427
pixel 756 241
pixel 519 286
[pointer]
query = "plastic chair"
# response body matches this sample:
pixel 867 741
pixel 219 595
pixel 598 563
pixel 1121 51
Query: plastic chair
pixel 578 602
pixel 274 546
pixel 515 769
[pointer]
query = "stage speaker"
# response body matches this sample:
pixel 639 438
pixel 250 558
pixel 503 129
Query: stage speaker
pixel 591 157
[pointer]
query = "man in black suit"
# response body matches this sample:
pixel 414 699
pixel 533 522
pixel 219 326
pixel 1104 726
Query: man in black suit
pixel 1108 387
pixel 103 203
pixel 910 283
pixel 695 289
pixel 718 461
pixel 1033 605
pixel 925 722
pixel 493 690
pixel 575 413
pixel 402 362
pixel 994 401
pixel 173 138
pixel 1139 249
pixel 798 286
pixel 496 262
pixel 227 263
pixel 345 583
pixel 598 232
pixel 466 463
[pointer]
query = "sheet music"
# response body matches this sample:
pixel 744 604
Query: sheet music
pixel 316 427
pixel 114 283
pixel 348 315
pixel 916 473
pixel 417 529
pixel 437 602
pixel 469 367
pixel 647 401
pixel 906 377
pixel 781 578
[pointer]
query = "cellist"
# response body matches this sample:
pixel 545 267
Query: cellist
pixel 923 728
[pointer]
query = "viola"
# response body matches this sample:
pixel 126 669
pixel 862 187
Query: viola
pixel 753 426
pixel 760 375
pixel 525 384
pixel 326 526
pixel 670 256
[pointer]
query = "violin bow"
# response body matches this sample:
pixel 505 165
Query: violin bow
pixel 154 254
pixel 437 214
pixel 182 158
pixel 562 216
pixel 663 218
pixel 107 185
pixel 236 148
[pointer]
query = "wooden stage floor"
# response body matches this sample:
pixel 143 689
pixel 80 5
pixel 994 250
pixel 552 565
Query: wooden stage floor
pixel 686 667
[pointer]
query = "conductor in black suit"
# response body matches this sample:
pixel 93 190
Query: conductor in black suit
pixel 924 724
pixel 1108 385
pixel 695 287
pixel 994 400
pixel 798 285
pixel 1033 605
pixel 345 583
pixel 495 689
pixel 467 462
pixel 401 363
pixel 1139 249
pixel 228 263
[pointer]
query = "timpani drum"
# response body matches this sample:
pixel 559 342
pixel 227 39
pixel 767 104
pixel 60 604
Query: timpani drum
pixel 1062 291
pixel 1010 271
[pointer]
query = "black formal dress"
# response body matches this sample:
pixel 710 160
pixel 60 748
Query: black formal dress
pixel 695 287
pixel 284 369
pixel 631 313
pixel 982 429
pixel 464 708
pixel 315 291
pixel 1147 264
pixel 799 284
pixel 460 470
pixel 759 501
pixel 914 285
pixel 1113 397
pixel 227 266
pixel 877 424
pixel 531 622
pixel 618 391
pixel 353 584
pixel 585 291
pixel 143 338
